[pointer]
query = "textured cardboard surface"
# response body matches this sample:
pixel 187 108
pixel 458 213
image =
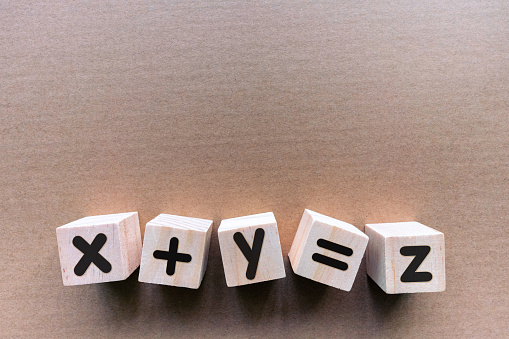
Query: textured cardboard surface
pixel 367 111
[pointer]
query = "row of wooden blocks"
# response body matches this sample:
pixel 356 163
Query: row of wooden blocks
pixel 403 257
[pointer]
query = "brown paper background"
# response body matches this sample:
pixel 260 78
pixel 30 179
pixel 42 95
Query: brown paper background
pixel 367 111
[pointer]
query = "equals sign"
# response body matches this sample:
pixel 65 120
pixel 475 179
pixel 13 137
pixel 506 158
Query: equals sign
pixel 331 246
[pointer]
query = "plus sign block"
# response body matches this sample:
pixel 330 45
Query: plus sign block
pixel 99 248
pixel 406 257
pixel 327 250
pixel 175 251
pixel 250 249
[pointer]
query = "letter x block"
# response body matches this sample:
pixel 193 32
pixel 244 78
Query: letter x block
pixel 250 249
pixel 406 257
pixel 175 251
pixel 327 250
pixel 99 248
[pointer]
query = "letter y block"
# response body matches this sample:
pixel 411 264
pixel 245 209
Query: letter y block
pixel 250 249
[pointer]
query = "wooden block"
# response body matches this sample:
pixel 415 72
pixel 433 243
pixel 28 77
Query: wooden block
pixel 250 249
pixel 406 257
pixel 175 251
pixel 99 248
pixel 327 250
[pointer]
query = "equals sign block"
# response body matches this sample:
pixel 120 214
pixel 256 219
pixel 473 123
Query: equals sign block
pixel 327 250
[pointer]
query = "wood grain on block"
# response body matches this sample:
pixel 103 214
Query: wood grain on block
pixel 250 249
pixel 99 248
pixel 327 250
pixel 175 251
pixel 406 257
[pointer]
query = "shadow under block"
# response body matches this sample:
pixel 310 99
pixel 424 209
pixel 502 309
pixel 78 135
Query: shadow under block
pixel 327 250
pixel 250 249
pixel 175 251
pixel 99 248
pixel 406 257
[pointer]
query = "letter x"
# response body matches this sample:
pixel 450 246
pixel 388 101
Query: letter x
pixel 172 256
pixel 91 254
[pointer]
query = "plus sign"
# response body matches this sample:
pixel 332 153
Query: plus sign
pixel 172 256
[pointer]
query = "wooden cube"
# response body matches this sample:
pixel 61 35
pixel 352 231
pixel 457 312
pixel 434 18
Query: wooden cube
pixel 406 257
pixel 99 248
pixel 175 251
pixel 327 250
pixel 250 249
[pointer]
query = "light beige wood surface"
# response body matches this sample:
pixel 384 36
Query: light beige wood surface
pixel 313 227
pixel 385 263
pixel 122 248
pixel 193 236
pixel 270 263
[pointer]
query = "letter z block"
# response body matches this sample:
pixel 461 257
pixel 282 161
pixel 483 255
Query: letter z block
pixel 327 250
pixel 250 249
pixel 175 251
pixel 406 257
pixel 99 248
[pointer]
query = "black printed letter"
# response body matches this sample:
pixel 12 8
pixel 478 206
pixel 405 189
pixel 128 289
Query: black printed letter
pixel 91 254
pixel 252 254
pixel 410 274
